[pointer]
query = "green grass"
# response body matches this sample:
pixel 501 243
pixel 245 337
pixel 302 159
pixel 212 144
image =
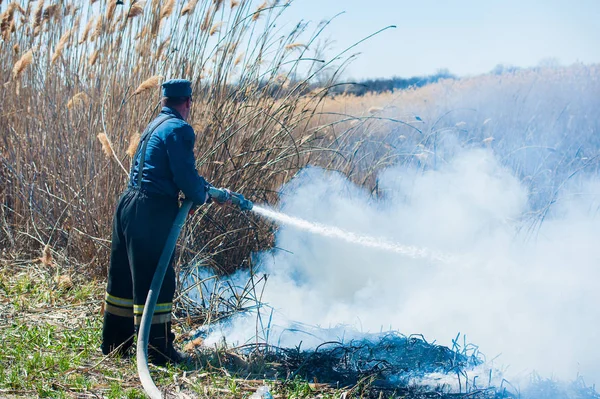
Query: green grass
pixel 50 340
pixel 50 337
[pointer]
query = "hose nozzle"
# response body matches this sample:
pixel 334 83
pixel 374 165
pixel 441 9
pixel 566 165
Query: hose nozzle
pixel 222 195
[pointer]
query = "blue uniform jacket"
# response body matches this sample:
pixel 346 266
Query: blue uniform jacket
pixel 170 165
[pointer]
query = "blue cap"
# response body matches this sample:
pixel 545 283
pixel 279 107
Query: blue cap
pixel 177 88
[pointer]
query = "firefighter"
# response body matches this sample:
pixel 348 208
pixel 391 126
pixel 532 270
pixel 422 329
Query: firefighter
pixel 162 166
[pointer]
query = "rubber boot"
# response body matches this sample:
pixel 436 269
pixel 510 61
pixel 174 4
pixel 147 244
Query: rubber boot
pixel 117 335
pixel 160 346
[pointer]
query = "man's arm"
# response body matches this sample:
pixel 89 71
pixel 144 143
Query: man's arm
pixel 180 149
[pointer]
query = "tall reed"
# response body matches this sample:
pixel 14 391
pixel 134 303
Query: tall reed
pixel 81 81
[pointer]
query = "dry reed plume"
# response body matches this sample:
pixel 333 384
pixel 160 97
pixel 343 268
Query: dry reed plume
pixel 23 62
pixel 106 147
pixel 292 46
pixel 238 59
pixel 133 143
pixel 215 28
pixel 136 9
pixel 97 29
pixel 78 99
pixel 189 7
pixel 161 48
pixel 7 20
pixel 167 9
pixel 61 45
pixel 52 11
pixel 148 84
pixel 86 31
pixel 108 150
pixel 110 10
pixel 207 18
pixel 93 58
pixel 260 8
pixel 37 18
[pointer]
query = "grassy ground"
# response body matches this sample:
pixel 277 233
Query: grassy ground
pixel 50 335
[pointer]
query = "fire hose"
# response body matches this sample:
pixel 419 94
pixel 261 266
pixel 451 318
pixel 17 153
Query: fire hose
pixel 220 196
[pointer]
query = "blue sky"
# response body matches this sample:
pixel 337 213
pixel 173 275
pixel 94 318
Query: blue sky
pixel 466 36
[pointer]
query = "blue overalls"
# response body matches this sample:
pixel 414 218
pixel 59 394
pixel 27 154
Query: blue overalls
pixel 163 165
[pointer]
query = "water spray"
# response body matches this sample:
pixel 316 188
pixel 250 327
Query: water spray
pixel 380 243
pixel 222 195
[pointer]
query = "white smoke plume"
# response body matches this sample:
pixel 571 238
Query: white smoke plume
pixel 533 301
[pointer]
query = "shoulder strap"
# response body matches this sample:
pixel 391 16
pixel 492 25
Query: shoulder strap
pixel 143 144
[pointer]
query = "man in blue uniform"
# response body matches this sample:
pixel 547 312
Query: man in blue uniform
pixel 163 165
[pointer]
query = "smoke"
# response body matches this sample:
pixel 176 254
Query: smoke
pixel 534 302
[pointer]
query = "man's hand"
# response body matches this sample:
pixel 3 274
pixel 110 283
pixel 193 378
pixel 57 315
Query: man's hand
pixel 228 202
pixel 194 207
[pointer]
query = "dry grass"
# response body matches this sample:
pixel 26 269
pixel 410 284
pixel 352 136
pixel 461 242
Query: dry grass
pixel 256 122
pixel 74 97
